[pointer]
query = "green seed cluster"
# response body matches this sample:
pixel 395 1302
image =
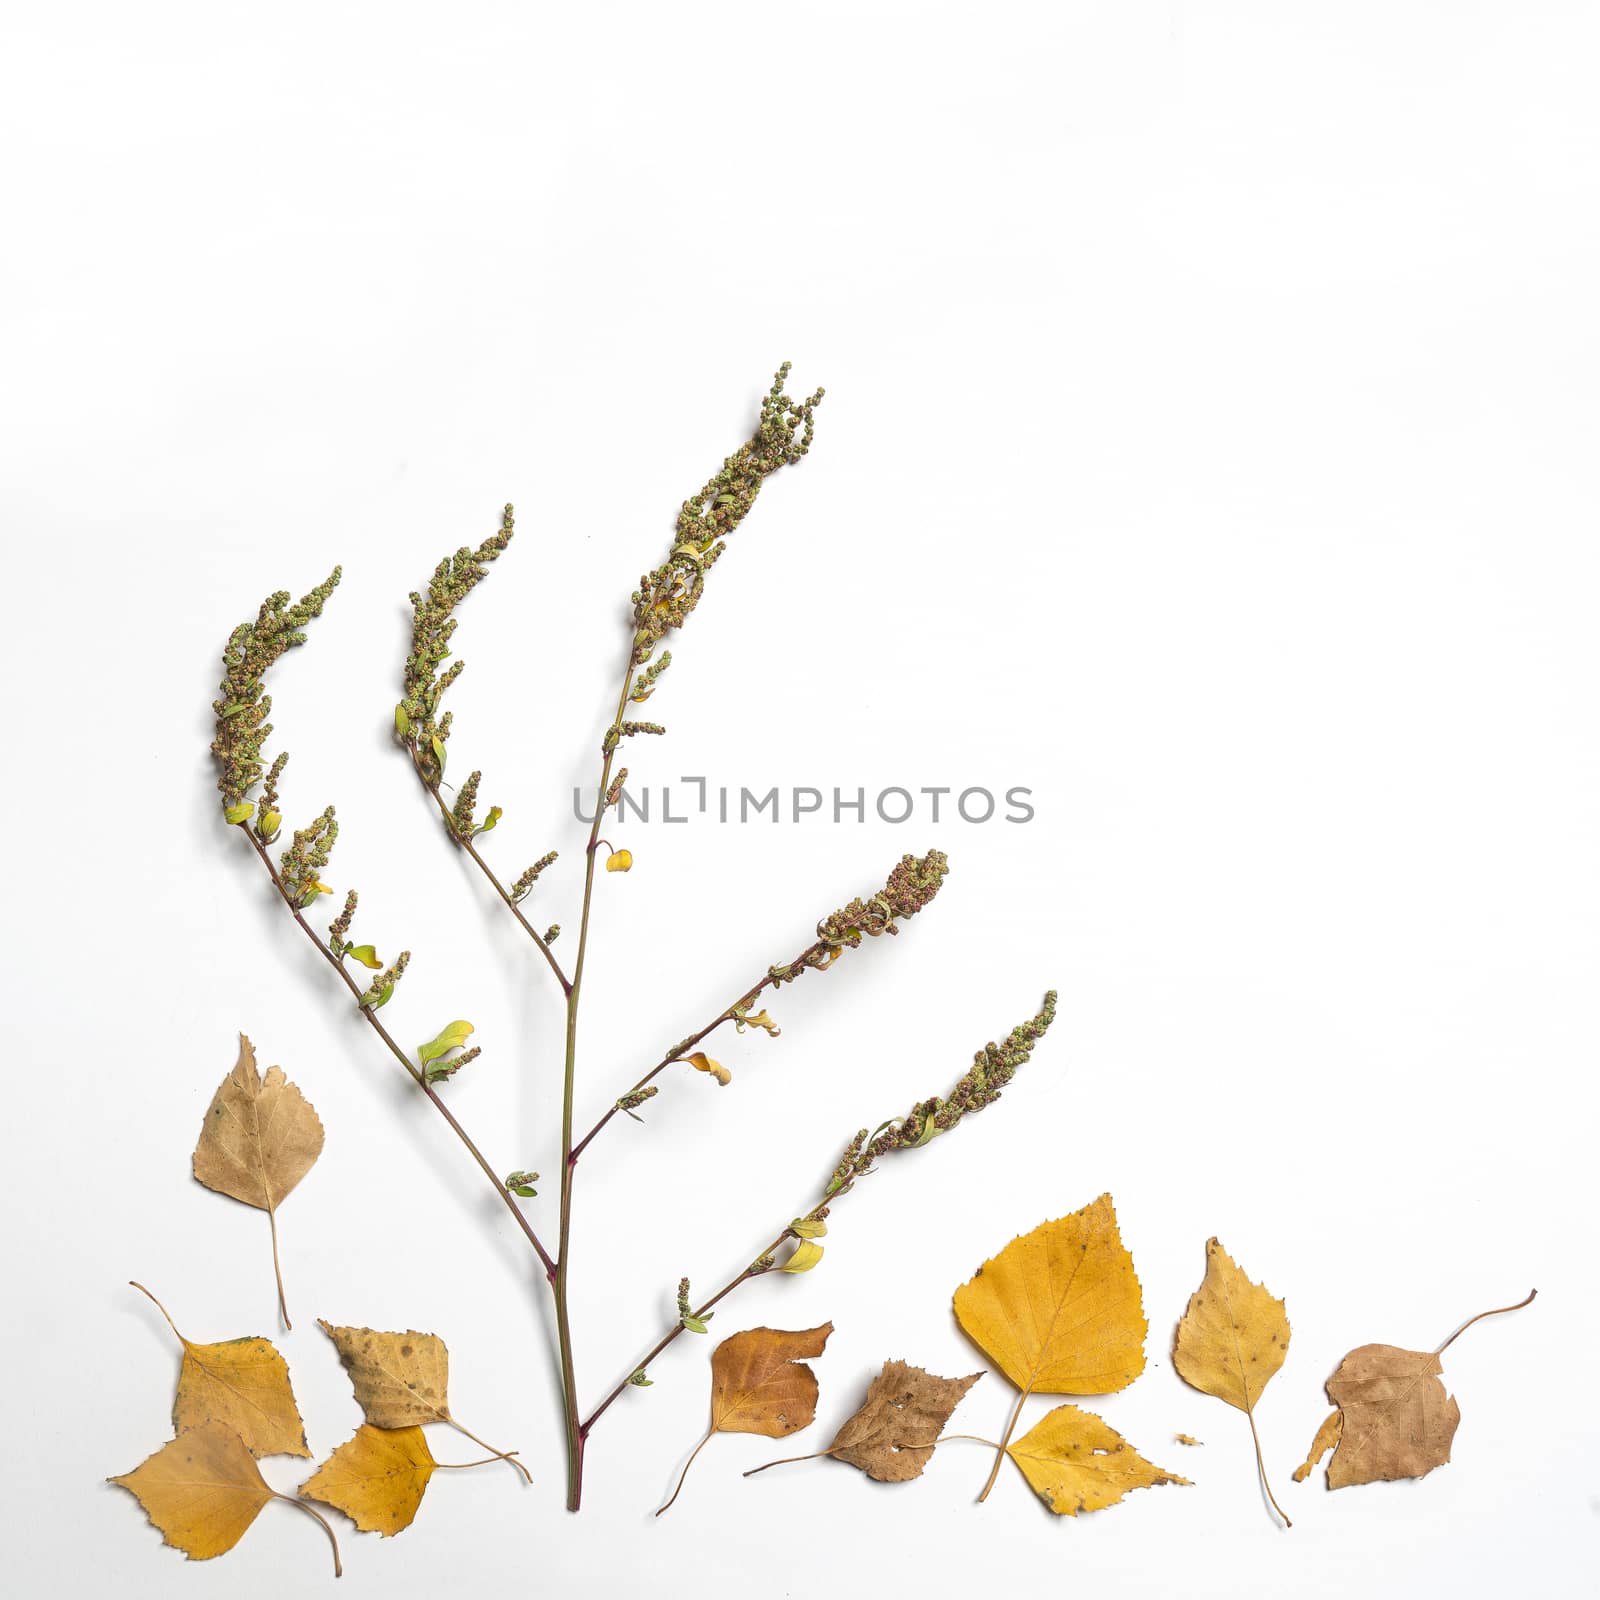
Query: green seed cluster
pixel 301 864
pixel 993 1067
pixel 666 596
pixel 418 722
pixel 911 886
pixel 243 706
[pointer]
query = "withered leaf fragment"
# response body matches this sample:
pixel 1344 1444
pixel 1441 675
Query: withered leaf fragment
pixel 242 1383
pixel 761 1384
pixel 203 1490
pixel 377 1478
pixel 1075 1462
pixel 891 1437
pixel 402 1380
pixel 1394 1417
pixel 1232 1339
pixel 259 1139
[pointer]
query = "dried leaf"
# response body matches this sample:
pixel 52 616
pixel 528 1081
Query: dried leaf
pixel 1327 1437
pixel 1233 1337
pixel 701 1062
pixel 1188 1439
pixel 1398 1420
pixel 619 861
pixel 259 1139
pixel 1394 1417
pixel 376 1478
pixel 892 1436
pixel 241 1383
pixel 203 1490
pixel 1059 1310
pixel 1076 1462
pixel 806 1254
pixel 760 1384
pixel 401 1380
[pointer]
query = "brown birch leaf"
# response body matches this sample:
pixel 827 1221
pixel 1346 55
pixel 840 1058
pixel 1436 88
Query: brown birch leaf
pixel 1395 1418
pixel 1075 1461
pixel 761 1384
pixel 260 1138
pixel 402 1380
pixel 1232 1339
pixel 891 1437
pixel 242 1383
pixel 203 1490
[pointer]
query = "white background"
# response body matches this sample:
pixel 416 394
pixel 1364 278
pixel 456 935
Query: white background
pixel 1209 446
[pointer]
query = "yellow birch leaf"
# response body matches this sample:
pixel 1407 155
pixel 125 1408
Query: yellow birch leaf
pixel 241 1383
pixel 1059 1311
pixel 1232 1339
pixel 761 1384
pixel 402 1380
pixel 1076 1462
pixel 259 1139
pixel 203 1490
pixel 376 1478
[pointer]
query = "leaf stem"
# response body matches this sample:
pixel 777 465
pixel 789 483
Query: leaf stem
pixel 1005 1439
pixel 369 1012
pixel 277 1269
pixel 300 1505
pixel 685 1473
pixel 508 1456
pixel 817 1455
pixel 1496 1312
pixel 1261 1467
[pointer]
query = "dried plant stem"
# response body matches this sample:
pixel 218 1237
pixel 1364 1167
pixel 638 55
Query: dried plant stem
pixel 576 1434
pixel 489 873
pixel 300 1505
pixel 369 1012
pixel 673 1332
pixel 676 1053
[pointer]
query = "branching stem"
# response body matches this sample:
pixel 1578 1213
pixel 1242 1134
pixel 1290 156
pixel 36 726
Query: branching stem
pixel 370 1013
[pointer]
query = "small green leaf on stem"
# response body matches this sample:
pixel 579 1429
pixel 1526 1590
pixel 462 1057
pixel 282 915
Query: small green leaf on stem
pixel 239 813
pixel 366 955
pixel 402 723
pixel 450 1037
pixel 808 1227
